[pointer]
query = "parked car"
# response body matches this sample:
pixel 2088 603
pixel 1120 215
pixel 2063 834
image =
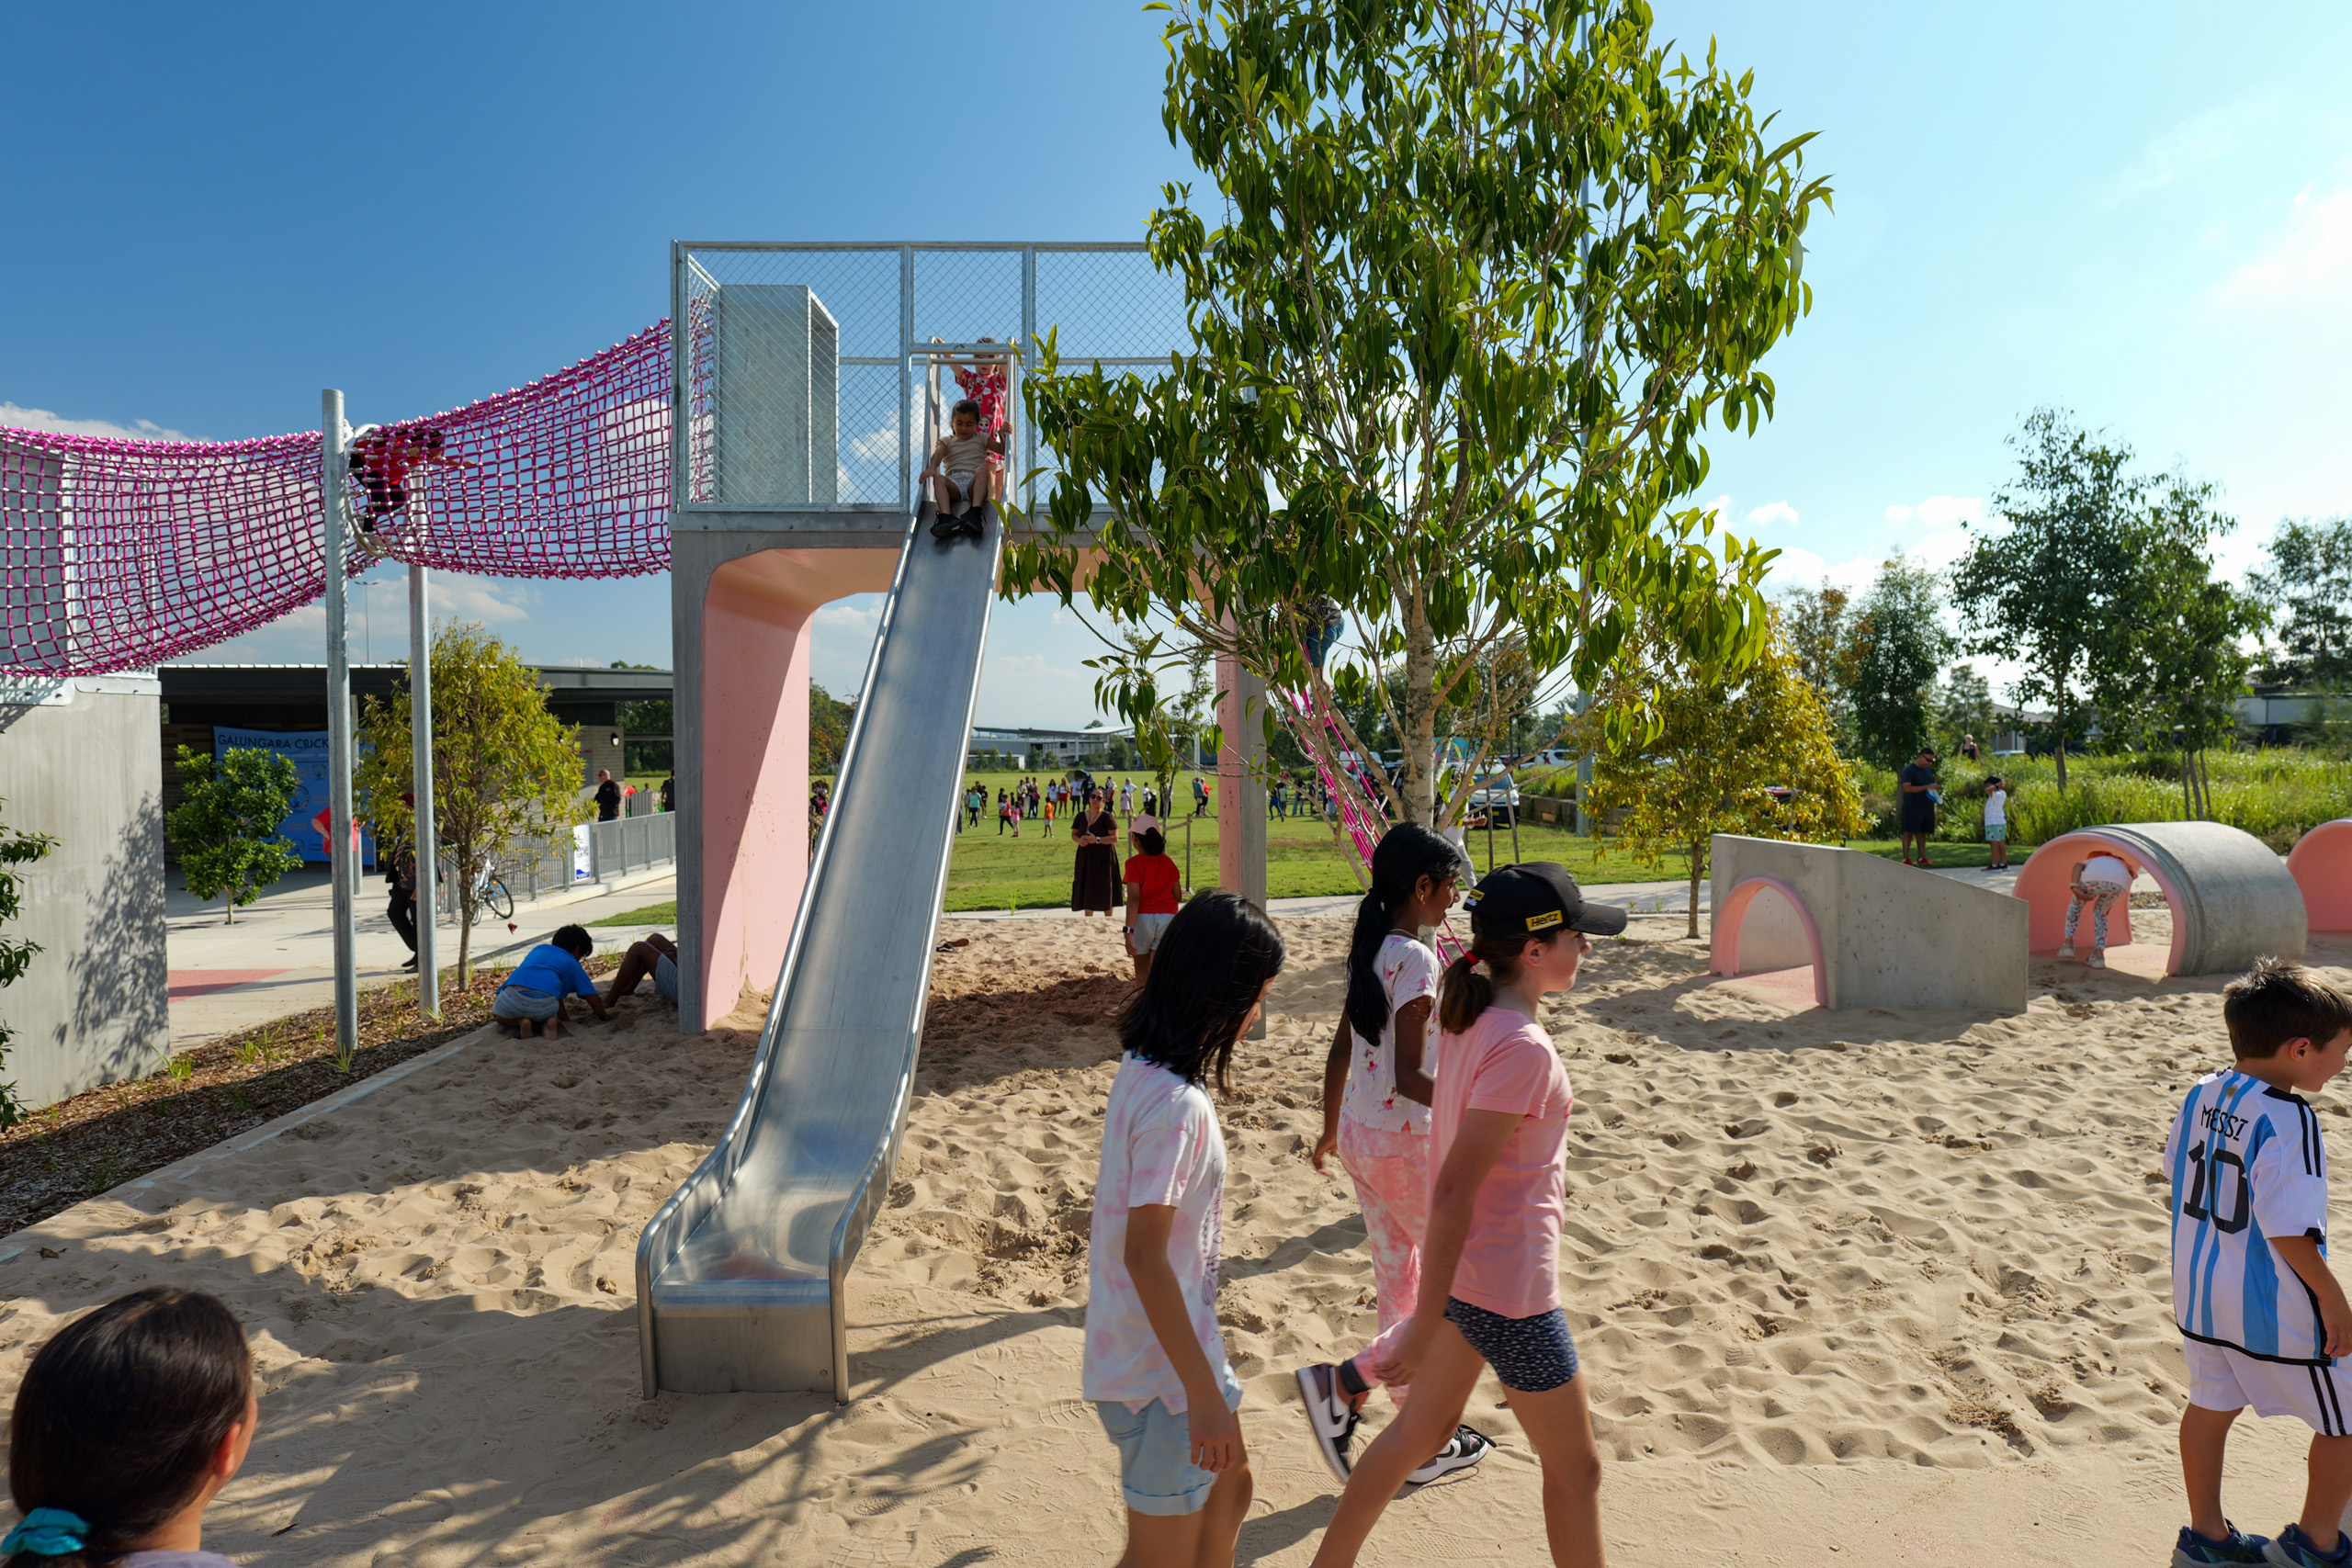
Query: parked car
pixel 1499 794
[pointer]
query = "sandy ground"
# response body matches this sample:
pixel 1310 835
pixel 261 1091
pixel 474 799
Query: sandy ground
pixel 1865 1286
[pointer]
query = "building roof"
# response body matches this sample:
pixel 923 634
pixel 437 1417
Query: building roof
pixel 304 682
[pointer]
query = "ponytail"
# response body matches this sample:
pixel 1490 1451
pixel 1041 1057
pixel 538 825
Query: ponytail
pixel 1405 853
pixel 1468 987
pixel 118 1419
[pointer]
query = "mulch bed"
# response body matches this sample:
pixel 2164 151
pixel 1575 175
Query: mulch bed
pixel 118 1132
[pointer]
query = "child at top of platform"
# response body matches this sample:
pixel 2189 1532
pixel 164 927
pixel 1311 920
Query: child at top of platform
pixel 962 481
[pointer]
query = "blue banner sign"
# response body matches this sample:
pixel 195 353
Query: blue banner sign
pixel 306 825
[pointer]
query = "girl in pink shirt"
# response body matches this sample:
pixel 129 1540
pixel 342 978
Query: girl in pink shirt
pixel 1490 1258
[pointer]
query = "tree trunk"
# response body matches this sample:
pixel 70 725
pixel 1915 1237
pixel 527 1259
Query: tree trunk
pixel 1420 736
pixel 465 880
pixel 1698 867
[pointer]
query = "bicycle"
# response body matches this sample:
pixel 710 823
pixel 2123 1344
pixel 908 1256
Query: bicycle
pixel 491 892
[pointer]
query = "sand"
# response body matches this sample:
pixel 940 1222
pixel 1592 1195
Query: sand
pixel 1864 1286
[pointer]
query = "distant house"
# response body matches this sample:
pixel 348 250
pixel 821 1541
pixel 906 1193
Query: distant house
pixel 1065 746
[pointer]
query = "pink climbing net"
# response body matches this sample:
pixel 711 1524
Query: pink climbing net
pixel 120 554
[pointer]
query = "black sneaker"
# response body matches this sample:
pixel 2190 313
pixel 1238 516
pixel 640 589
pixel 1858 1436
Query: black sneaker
pixel 1330 1420
pixel 1466 1447
pixel 2194 1550
pixel 944 526
pixel 972 524
pixel 410 965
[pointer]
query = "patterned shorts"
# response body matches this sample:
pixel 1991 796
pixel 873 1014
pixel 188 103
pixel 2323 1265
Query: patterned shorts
pixel 1530 1355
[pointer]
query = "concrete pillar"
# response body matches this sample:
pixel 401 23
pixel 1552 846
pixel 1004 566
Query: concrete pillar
pixel 739 614
pixel 1241 782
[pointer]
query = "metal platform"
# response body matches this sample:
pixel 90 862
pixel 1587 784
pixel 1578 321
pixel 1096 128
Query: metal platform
pixel 740 1275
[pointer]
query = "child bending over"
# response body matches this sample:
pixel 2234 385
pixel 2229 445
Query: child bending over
pixel 531 996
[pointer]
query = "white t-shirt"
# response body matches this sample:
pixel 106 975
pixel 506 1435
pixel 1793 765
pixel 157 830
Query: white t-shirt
pixel 1408 969
pixel 2247 1167
pixel 2107 869
pixel 1161 1145
pixel 1997 808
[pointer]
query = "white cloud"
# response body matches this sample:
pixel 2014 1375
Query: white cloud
pixel 1774 512
pixel 2308 257
pixel 2194 143
pixel 1798 569
pixel 1898 514
pixel 1938 551
pixel 15 418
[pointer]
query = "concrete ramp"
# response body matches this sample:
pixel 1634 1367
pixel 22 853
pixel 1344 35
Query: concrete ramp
pixel 1877 934
pixel 2321 863
pixel 2233 901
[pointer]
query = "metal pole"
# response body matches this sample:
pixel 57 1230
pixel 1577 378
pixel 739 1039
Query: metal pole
pixel 420 739
pixel 341 862
pixel 1511 793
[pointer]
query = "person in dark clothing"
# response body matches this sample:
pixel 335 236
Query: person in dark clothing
pixel 609 796
pixel 399 871
pixel 670 794
pixel 1915 800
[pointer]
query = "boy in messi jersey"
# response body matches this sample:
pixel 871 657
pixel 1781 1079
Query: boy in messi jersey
pixel 2263 1317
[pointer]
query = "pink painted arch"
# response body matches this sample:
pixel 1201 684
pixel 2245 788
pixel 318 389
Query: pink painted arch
pixel 1733 916
pixel 2045 884
pixel 2321 863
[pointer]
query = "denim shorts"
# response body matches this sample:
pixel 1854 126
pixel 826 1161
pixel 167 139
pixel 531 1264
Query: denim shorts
pixel 1156 1474
pixel 665 978
pixel 522 1002
pixel 1530 1355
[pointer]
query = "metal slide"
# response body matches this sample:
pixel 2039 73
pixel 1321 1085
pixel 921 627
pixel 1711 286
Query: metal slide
pixel 740 1276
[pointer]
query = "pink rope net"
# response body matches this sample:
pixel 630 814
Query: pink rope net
pixel 120 554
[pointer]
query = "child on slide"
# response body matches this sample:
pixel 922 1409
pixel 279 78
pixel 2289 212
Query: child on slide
pixel 1376 1091
pixel 128 1423
pixel 962 481
pixel 1155 1365
pixel 1490 1258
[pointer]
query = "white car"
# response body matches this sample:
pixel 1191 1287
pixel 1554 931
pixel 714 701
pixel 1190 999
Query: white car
pixel 1499 792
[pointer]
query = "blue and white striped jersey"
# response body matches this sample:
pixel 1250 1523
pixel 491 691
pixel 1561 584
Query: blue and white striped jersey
pixel 2246 1165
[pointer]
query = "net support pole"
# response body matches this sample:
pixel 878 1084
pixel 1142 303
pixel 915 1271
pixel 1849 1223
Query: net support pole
pixel 341 858
pixel 427 844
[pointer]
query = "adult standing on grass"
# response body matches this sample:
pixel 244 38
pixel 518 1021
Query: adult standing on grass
pixel 609 796
pixel 1915 800
pixel 1094 877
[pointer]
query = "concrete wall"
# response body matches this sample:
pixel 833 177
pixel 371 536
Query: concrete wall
pixel 1887 936
pixel 2233 901
pixel 78 760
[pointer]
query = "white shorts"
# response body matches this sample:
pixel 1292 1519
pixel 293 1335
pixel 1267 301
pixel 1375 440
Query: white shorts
pixel 962 481
pixel 1146 930
pixel 2223 1379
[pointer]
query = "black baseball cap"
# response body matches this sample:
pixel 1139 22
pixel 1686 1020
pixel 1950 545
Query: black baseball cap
pixel 1530 899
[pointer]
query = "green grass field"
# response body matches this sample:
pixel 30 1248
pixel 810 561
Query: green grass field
pixel 996 870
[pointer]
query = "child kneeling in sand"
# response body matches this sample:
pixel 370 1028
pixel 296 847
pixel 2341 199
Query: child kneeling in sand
pixel 1155 1364
pixel 532 996
pixel 1490 1258
pixel 2249 1207
pixel 128 1424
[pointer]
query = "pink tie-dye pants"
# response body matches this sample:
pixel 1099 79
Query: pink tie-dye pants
pixel 1391 1173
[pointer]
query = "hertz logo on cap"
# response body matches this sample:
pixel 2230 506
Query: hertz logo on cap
pixel 1546 921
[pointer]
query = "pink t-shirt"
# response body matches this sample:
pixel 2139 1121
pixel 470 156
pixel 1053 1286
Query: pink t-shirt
pixel 1161 1145
pixel 1511 1263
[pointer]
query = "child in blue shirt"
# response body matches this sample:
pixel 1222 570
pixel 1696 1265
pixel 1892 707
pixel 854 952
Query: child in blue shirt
pixel 533 994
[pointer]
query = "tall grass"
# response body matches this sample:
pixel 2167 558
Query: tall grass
pixel 2276 794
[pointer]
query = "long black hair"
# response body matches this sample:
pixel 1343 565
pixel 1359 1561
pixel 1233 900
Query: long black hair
pixel 1405 853
pixel 121 1412
pixel 1213 961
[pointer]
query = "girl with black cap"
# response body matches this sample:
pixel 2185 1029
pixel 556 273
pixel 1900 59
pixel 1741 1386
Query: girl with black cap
pixel 1490 1258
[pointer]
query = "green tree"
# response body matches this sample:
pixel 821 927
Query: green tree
pixel 1814 620
pixel 1473 280
pixel 2044 592
pixel 504 767
pixel 1894 645
pixel 829 723
pixel 1720 749
pixel 2309 586
pixel 226 826
pixel 2170 672
pixel 1965 708
pixel 15 953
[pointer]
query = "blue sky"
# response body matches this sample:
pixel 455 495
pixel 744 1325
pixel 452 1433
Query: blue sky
pixel 2143 212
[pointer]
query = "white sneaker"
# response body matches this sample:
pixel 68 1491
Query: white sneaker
pixel 2097 961
pixel 2066 950
pixel 1466 1447
pixel 1330 1420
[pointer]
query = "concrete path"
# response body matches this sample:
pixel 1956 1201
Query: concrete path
pixel 278 958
